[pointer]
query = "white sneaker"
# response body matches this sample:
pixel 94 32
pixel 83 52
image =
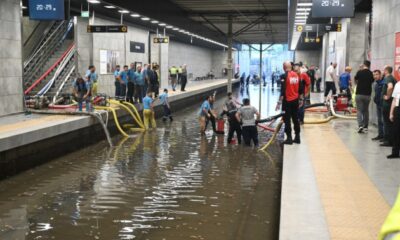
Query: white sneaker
pixel 365 130
pixel 360 130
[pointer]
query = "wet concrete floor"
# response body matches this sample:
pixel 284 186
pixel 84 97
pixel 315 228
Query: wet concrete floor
pixel 167 183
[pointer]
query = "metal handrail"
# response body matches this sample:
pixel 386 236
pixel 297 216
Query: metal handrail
pixel 38 60
pixel 26 63
pixel 63 84
pixel 59 70
pixel 49 70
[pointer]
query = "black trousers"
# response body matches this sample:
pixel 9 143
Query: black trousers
pixel 213 122
pixel 387 125
pixel 291 110
pixel 396 132
pixel 129 94
pixel 318 85
pixel 312 84
pixel 183 82
pixel 250 133
pixel 234 126
pixel 139 93
pixel 330 86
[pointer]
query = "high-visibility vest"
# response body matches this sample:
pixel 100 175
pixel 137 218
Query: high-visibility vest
pixel 173 71
pixel 179 70
pixel 391 228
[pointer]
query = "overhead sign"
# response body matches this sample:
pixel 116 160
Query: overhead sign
pixel 46 9
pixel 85 14
pixel 137 47
pixel 319 28
pixel 333 8
pixel 107 29
pixel 161 40
pixel 312 40
pixel 397 57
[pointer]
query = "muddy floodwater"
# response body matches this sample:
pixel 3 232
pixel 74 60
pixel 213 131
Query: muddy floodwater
pixel 167 183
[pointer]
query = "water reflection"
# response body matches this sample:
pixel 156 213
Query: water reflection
pixel 168 183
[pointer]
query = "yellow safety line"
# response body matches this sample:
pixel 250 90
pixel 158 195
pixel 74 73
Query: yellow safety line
pixel 128 110
pixel 353 206
pixel 115 118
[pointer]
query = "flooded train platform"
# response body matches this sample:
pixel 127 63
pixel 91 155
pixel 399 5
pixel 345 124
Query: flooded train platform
pixel 167 183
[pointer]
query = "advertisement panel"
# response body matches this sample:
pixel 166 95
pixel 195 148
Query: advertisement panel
pixel 397 57
pixel 333 8
pixel 108 61
pixel 46 9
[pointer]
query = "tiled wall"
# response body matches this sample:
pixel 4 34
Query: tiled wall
pixel 11 97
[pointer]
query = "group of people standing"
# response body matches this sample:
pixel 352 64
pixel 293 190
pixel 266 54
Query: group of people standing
pixel 178 75
pixel 386 98
pixel 134 82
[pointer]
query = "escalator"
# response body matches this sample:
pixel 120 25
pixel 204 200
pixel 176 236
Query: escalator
pixel 50 68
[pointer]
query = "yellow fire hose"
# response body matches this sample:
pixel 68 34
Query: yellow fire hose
pixel 139 122
pixel 135 111
pixel 277 129
pixel 115 118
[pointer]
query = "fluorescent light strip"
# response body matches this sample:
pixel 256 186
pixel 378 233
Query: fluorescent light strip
pixel 93 1
pixel 154 21
pixel 302 13
pixel 109 7
pixel 304 4
pixel 135 15
pixel 162 24
pixel 123 11
pixel 301 17
pixel 303 9
pixel 145 18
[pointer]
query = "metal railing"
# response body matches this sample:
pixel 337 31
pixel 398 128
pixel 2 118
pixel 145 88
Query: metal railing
pixel 35 65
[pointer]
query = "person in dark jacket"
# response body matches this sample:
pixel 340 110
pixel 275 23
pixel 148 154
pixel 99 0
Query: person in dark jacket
pixel 364 80
pixel 230 109
pixel 379 82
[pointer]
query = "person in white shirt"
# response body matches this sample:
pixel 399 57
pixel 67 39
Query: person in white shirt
pixel 395 118
pixel 330 80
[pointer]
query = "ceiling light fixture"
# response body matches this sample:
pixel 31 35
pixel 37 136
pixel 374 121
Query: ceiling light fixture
pixel 169 26
pixel 303 9
pixel 302 13
pixel 123 11
pixel 145 18
pixel 110 6
pixel 154 21
pixel 162 24
pixel 135 15
pixel 304 4
pixel 93 1
pixel 175 29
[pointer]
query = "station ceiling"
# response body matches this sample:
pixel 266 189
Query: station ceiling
pixel 254 21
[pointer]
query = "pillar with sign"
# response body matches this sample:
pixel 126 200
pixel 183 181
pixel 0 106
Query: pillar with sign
pixel 230 54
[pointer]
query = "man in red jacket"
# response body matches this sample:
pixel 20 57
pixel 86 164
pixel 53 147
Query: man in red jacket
pixel 290 100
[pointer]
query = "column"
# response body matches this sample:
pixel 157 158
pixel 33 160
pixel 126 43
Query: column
pixel 11 94
pixel 230 54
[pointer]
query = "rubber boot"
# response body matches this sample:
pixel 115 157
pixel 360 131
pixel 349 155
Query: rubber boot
pixel 297 139
pixel 288 141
